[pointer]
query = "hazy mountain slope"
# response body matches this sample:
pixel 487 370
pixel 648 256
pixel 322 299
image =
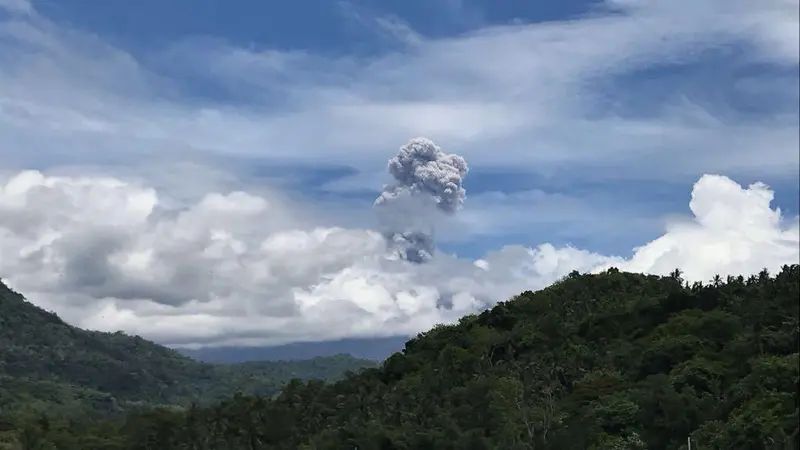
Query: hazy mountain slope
pixel 378 348
pixel 44 361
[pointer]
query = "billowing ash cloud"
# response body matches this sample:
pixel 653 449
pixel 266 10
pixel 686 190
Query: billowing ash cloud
pixel 427 181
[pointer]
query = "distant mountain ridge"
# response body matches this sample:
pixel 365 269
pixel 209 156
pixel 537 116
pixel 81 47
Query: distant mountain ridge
pixel 47 364
pixel 373 349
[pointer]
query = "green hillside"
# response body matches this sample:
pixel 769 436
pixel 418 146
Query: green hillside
pixel 611 361
pixel 48 365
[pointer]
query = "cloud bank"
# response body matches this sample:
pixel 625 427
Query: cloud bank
pixel 107 254
pixel 131 221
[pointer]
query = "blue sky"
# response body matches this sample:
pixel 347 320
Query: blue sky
pixel 717 80
pixel 320 26
pixel 585 123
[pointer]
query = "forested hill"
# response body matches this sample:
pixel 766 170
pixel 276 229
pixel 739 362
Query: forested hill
pixel 48 365
pixel 609 361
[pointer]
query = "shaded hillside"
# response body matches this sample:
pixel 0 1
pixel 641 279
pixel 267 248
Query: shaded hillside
pixel 250 377
pixel 609 361
pixel 46 362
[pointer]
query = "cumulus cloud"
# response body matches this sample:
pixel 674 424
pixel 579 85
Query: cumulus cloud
pixel 107 254
pixel 733 231
pixel 140 250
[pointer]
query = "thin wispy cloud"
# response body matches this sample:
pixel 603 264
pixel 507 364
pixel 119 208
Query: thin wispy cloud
pixel 17 6
pixel 526 89
pixel 390 27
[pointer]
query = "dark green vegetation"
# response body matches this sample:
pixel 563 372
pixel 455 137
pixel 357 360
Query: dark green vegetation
pixel 609 361
pixel 49 366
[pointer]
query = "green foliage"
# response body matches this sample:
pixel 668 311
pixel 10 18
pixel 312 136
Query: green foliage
pixel 608 361
pixel 49 366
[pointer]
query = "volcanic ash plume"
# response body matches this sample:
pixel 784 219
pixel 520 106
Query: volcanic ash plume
pixel 427 180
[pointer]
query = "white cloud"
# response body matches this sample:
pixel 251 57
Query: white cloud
pixel 173 248
pixel 734 231
pixel 234 268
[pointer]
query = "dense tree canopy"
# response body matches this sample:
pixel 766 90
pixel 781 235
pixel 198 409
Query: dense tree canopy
pixel 608 361
pixel 48 365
